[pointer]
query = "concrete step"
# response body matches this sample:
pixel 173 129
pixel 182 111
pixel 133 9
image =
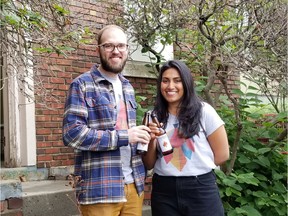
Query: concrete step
pixel 41 197
pixel 53 198
pixel 49 198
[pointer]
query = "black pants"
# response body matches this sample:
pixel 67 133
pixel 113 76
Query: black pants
pixel 186 196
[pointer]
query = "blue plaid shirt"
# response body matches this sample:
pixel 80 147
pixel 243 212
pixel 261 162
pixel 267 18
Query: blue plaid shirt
pixel 89 127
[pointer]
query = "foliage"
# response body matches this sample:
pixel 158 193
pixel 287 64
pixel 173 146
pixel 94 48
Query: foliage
pixel 144 103
pixel 32 22
pixel 219 40
pixel 30 28
pixel 140 110
pixel 257 184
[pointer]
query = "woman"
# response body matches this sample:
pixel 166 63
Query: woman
pixel 184 182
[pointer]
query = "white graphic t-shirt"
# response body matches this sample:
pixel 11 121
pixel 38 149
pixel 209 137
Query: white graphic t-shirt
pixel 191 156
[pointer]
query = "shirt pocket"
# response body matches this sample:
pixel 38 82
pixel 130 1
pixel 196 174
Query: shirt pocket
pixel 101 112
pixel 131 109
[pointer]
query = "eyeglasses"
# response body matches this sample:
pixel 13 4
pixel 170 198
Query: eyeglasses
pixel 109 47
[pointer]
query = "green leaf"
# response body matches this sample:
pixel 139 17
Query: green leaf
pixel 140 98
pixel 250 94
pixel 243 159
pixel 259 194
pixel 282 115
pixel 43 49
pixel 251 211
pixel 277 198
pixel 61 10
pixel 273 132
pixel 250 148
pixel 261 202
pixel 229 182
pixel 248 178
pixel 237 192
pixel 253 88
pixel 264 150
pixel 279 187
pixel 263 161
pixel 238 92
pixel 261 177
pixel 240 211
pixel 228 192
pixel 67 48
pixel 276 176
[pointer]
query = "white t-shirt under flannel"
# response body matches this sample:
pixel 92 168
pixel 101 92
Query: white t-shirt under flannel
pixel 122 125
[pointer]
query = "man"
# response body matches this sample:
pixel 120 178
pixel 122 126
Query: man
pixel 100 124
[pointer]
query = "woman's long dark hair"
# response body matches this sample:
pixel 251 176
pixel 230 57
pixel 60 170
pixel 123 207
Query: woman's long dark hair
pixel 189 111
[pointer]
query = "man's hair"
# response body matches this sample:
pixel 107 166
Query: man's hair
pixel 104 29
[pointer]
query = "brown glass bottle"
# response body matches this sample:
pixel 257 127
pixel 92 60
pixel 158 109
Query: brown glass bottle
pixel 162 137
pixel 143 148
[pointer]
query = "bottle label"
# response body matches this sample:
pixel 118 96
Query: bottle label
pixel 142 147
pixel 164 143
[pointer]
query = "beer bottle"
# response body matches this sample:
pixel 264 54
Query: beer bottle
pixel 162 137
pixel 141 147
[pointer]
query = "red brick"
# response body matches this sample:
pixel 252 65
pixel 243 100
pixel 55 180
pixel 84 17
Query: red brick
pixel 43 131
pixel 61 157
pixel 13 212
pixel 15 203
pixel 53 138
pixel 68 162
pixel 3 205
pixel 63 87
pixel 49 86
pixel 57 131
pixel 46 118
pixel 147 188
pixel 57 80
pixel 58 144
pixel 64 62
pixel 43 144
pixel 52 151
pixel 57 105
pixel 44 157
pixel 147 195
pixel 148 180
pixel 67 150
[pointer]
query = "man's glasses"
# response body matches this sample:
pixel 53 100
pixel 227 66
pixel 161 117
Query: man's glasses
pixel 109 47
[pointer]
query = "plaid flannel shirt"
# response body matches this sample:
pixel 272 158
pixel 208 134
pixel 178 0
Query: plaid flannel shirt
pixel 89 127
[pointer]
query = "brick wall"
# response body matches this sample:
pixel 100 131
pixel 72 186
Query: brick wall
pixel 56 74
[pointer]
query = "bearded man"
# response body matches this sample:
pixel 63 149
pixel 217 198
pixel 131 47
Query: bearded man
pixel 100 124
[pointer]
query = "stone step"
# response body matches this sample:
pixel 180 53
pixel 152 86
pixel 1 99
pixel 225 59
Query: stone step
pixel 49 197
pixel 53 198
pixel 37 196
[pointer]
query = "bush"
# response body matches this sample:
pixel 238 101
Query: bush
pixel 257 183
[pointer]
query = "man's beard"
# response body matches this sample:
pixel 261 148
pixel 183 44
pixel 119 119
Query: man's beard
pixel 112 68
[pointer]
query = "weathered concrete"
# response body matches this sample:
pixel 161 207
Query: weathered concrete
pixel 10 189
pixel 53 198
pixel 42 197
pixel 26 173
